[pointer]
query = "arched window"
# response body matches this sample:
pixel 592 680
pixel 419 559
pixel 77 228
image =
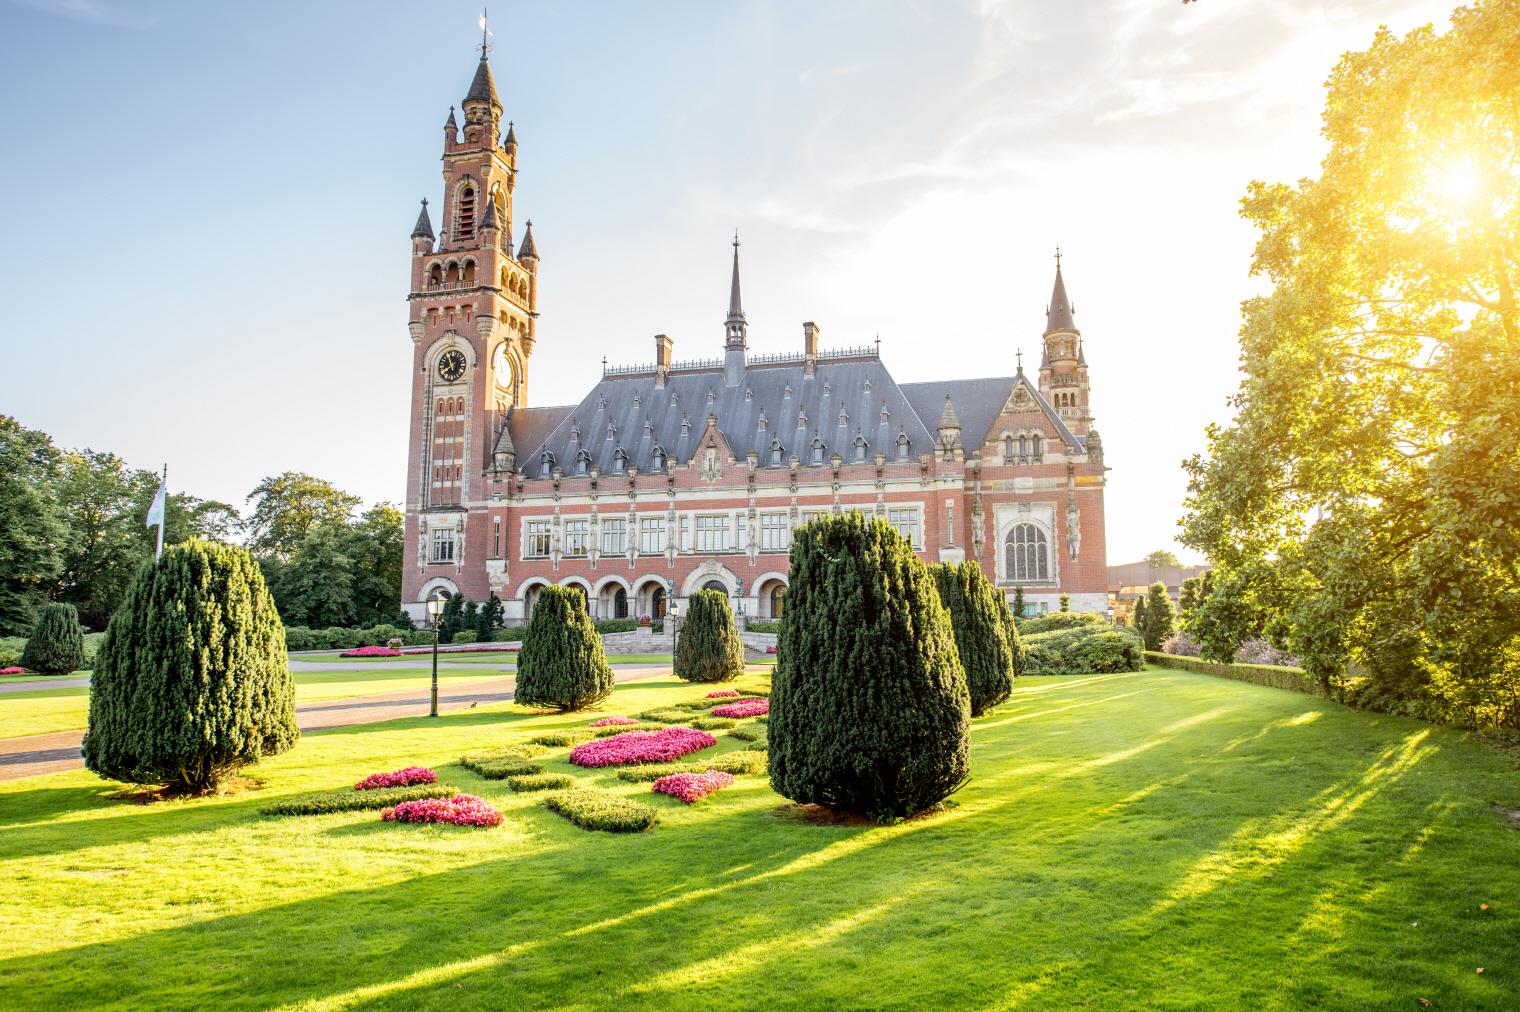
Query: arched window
pixel 1028 554
pixel 469 272
pixel 1023 447
pixel 1035 440
pixel 435 275
pixel 903 446
pixel 715 585
pixel 466 228
pixel 1007 449
pixel 778 592
pixel 620 604
pixel 657 603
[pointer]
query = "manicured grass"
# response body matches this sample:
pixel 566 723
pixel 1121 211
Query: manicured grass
pixel 1127 841
pixel 44 710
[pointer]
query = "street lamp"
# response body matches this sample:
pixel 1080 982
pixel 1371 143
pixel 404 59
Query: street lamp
pixel 435 612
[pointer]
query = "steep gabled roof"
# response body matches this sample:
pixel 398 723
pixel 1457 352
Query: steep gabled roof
pixel 1059 314
pixel 424 227
pixel 483 88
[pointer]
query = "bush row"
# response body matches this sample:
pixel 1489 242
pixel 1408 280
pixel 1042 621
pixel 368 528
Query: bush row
pixel 763 625
pixel 593 809
pixel 1294 679
pixel 339 638
pixel 746 763
pixel 1087 648
pixel 349 800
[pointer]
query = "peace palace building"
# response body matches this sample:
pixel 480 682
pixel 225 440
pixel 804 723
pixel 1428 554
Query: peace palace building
pixel 672 477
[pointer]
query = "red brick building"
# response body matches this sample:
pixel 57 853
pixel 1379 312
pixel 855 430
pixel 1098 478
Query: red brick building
pixel 675 476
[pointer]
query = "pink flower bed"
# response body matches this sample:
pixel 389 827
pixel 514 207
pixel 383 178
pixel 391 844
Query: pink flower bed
pixel 641 747
pixel 691 787
pixel 479 648
pixel 610 721
pixel 460 810
pixel 400 778
pixel 12 671
pixel 371 652
pixel 722 693
pixel 743 708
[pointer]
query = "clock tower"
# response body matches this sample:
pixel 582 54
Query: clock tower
pixel 472 320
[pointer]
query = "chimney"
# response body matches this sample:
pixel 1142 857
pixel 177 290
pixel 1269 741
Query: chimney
pixel 664 352
pixel 809 348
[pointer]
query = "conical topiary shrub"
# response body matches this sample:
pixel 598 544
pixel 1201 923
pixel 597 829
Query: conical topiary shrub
pixel 56 645
pixel 561 663
pixel 869 709
pixel 709 648
pixel 981 637
pixel 191 682
pixel 1016 645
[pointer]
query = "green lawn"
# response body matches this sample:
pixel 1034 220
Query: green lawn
pixel 44 710
pixel 1160 839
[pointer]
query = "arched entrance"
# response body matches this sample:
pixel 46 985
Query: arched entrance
pixel 716 585
pixel 657 604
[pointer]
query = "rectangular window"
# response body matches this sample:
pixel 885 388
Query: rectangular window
pixel 775 532
pixel 652 535
pixel 496 537
pixel 741 531
pixel 906 522
pixel 614 537
pixel 577 538
pixel 712 533
pixel 443 546
pixel 810 515
pixel 536 540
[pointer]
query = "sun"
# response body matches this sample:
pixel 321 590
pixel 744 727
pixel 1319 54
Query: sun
pixel 1459 181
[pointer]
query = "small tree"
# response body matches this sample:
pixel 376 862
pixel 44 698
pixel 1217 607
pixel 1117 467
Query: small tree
pixel 1016 647
pixel 191 682
pixel 1159 617
pixel 1137 614
pixel 561 664
pixel 1018 602
pixel 1066 602
pixel 56 645
pixel 709 648
pixel 452 619
pixel 489 618
pixel 981 635
pixel 869 707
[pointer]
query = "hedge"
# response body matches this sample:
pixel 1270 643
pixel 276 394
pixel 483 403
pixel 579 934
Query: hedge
pixel 763 625
pixel 1084 650
pixel 1055 620
pixel 560 739
pixel 541 782
pixel 350 800
pixel 744 763
pixel 500 769
pixel 1292 679
pixel 593 809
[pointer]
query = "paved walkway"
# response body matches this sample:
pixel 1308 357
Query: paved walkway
pixel 59 752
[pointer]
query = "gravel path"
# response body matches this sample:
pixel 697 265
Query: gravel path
pixel 59 752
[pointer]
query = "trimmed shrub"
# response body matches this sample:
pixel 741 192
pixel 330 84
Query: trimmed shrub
pixel 617 625
pixel 460 810
pixel 1272 676
pixel 632 747
pixel 763 625
pixel 692 787
pixel 601 810
pixel 499 769
pixel 758 707
pixel 327 802
pixel 56 645
pixel 612 729
pixel 871 713
pixel 713 723
pixel 1016 647
pixel 400 778
pixel 708 648
pixel 560 739
pixel 1061 620
pixel 1085 650
pixel 497 763
pixel 748 734
pixel 667 715
pixel 561 664
pixel 192 682
pixel 339 638
pixel 1159 618
pixel 466 636
pixel 540 782
pixel 612 721
pixel 510 635
pixel 981 638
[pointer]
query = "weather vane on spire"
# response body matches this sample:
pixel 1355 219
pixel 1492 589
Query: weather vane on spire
pixel 1058 256
pixel 485 35
pixel 736 238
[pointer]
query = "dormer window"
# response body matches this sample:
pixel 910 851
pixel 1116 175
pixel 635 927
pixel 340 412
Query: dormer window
pixel 777 452
pixel 860 448
pixel 619 461
pixel 817 449
pixel 659 459
pixel 903 445
pixel 582 462
pixel 545 464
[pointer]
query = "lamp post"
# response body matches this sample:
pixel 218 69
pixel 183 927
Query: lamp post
pixel 675 611
pixel 739 600
pixel 435 612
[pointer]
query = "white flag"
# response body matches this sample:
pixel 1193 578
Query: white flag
pixel 156 511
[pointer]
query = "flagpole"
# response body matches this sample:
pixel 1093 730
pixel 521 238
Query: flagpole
pixel 164 485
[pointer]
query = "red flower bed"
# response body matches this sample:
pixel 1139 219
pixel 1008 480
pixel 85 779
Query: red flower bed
pixel 641 747
pixel 400 778
pixel 691 787
pixel 12 671
pixel 743 708
pixel 610 721
pixel 460 810
pixel 371 652
pixel 722 693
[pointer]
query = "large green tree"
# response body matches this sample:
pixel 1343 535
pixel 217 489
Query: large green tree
pixel 709 648
pixel 288 506
pixel 32 532
pixel 1361 506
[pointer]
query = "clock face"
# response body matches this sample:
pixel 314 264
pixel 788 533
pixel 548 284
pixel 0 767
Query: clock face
pixel 501 365
pixel 451 365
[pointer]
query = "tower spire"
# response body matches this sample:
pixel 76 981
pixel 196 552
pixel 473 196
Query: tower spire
pixel 1058 315
pixel 735 303
pixel 482 87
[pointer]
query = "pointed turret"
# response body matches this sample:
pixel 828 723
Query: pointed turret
pixel 735 302
pixel 528 251
pixel 451 124
pixel 489 219
pixel 735 329
pixel 482 88
pixel 947 418
pixel 1058 316
pixel 509 142
pixel 424 227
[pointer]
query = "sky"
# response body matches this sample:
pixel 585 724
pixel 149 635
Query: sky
pixel 208 205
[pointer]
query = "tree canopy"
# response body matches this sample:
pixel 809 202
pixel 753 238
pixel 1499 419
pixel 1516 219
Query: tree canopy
pixel 1361 506
pixel 287 506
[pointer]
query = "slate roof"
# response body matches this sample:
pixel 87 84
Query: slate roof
pixel 482 88
pixel 629 412
pixel 1059 314
pixel 424 227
